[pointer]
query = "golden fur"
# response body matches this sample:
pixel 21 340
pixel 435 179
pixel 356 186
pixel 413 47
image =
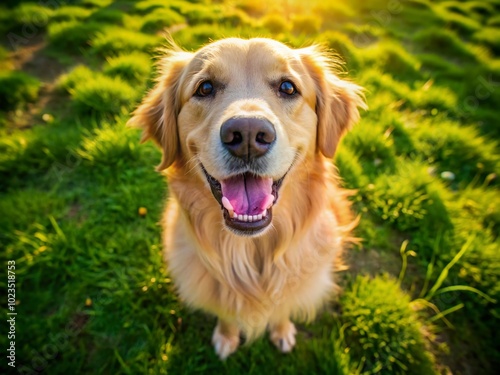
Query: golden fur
pixel 252 282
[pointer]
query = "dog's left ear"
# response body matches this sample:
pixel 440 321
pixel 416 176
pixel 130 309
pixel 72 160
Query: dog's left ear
pixel 157 114
pixel 337 101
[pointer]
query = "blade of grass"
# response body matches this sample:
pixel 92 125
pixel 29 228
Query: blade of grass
pixel 442 314
pixel 465 288
pixel 434 308
pixel 405 261
pixel 444 273
pixel 124 366
pixel 57 228
pixel 430 267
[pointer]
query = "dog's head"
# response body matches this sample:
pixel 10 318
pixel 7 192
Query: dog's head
pixel 244 113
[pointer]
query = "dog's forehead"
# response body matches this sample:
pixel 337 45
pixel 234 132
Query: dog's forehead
pixel 231 57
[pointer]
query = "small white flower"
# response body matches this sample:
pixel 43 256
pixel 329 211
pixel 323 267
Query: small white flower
pixel 447 175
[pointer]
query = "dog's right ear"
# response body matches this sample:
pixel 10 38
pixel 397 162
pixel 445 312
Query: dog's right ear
pixel 337 100
pixel 157 114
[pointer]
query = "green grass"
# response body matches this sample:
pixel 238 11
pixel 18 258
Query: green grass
pixel 373 147
pixel 70 13
pixel 490 37
pixel 424 165
pixel 460 150
pixel 92 4
pixel 111 16
pixel 134 67
pixel 72 36
pixel 108 145
pixel 120 40
pixel 392 57
pixel 95 93
pixel 275 23
pixel 30 14
pixel 29 155
pixel 80 73
pixel 439 66
pixel 103 95
pixel 160 19
pixel 332 13
pixel 350 168
pixel 375 311
pixel 343 46
pixel 305 24
pixel 17 89
pixel 456 20
pixel 494 20
pixel 443 42
pixel 411 200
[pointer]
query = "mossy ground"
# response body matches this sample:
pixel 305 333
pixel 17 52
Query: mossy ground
pixel 92 292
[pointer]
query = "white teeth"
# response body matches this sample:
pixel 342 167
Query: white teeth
pixel 228 206
pixel 272 201
pixel 246 217
pixel 249 218
pixel 268 201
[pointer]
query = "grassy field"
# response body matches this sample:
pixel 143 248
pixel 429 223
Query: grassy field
pixel 92 294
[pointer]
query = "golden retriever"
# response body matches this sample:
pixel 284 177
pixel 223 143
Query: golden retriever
pixel 255 221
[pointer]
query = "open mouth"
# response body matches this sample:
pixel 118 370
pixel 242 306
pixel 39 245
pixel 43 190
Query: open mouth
pixel 246 200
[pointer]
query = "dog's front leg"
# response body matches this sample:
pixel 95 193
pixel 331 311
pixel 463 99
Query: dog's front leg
pixel 282 335
pixel 226 338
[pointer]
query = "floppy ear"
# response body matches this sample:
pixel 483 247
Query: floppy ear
pixel 337 101
pixel 157 114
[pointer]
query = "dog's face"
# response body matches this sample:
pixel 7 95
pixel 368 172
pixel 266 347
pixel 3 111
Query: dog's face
pixel 245 113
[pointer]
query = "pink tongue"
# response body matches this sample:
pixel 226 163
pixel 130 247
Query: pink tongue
pixel 248 194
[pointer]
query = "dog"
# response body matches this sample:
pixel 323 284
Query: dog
pixel 256 220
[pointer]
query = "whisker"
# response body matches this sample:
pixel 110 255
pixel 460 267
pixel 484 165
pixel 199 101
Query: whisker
pixel 195 163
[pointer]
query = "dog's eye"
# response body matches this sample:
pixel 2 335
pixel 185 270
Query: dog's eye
pixel 288 88
pixel 204 89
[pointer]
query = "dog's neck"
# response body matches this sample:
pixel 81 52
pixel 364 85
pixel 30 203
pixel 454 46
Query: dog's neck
pixel 303 196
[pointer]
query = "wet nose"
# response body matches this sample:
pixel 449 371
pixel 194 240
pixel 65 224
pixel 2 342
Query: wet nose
pixel 247 137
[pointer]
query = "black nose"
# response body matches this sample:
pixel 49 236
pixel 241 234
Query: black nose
pixel 247 137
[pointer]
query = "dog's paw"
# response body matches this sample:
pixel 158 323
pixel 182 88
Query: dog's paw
pixel 225 343
pixel 283 336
